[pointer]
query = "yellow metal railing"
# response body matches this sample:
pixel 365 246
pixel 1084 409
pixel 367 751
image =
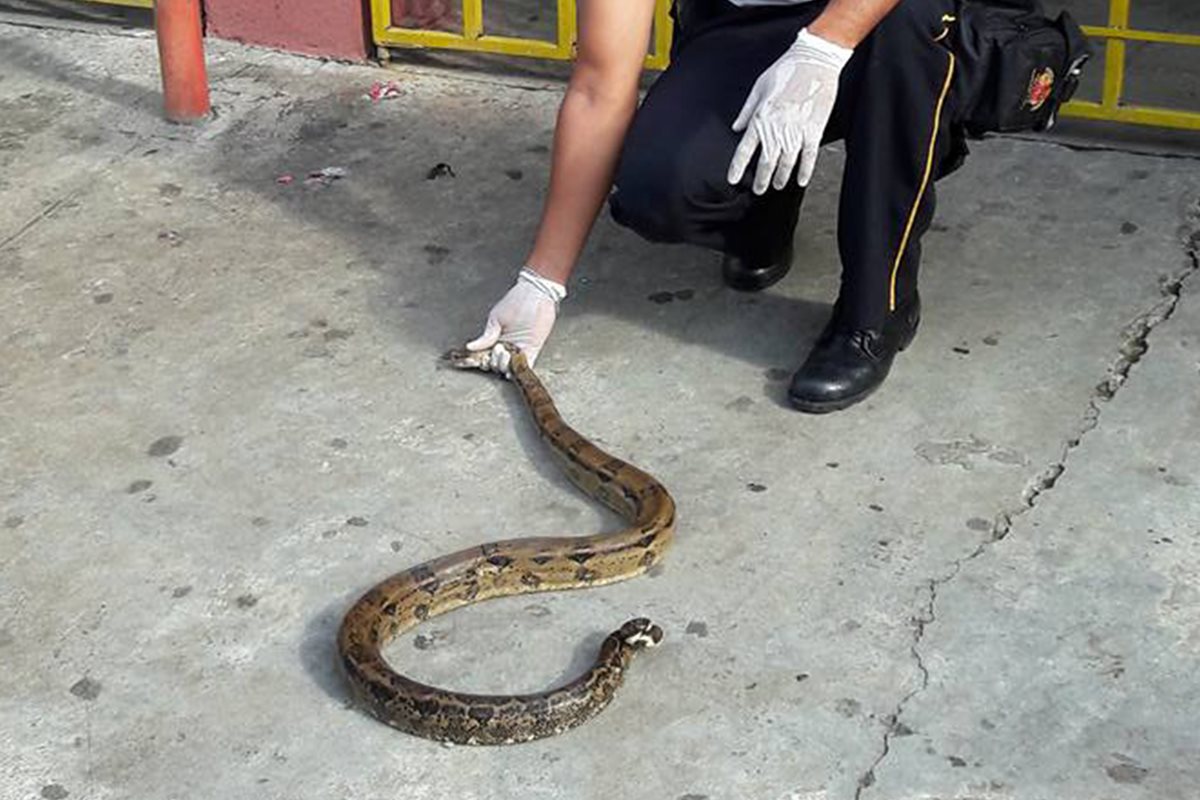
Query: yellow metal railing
pixel 475 39
pixel 1110 107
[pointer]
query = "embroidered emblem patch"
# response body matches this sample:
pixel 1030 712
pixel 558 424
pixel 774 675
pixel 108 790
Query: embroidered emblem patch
pixel 1041 85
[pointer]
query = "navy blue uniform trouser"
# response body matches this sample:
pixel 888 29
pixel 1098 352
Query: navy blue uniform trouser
pixel 896 110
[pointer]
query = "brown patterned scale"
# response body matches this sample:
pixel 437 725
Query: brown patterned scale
pixel 516 566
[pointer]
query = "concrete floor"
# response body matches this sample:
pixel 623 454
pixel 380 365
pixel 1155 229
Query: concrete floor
pixel 221 418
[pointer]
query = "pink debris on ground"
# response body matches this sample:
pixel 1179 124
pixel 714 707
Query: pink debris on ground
pixel 284 180
pixel 383 91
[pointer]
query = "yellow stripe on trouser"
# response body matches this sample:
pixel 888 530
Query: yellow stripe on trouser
pixel 912 217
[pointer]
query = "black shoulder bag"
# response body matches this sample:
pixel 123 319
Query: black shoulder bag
pixel 1017 66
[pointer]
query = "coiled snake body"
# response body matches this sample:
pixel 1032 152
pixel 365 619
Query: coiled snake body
pixel 516 566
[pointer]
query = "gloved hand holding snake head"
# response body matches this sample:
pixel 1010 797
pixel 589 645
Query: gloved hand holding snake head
pixel 523 318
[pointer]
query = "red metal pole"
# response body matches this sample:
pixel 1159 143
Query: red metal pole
pixel 181 54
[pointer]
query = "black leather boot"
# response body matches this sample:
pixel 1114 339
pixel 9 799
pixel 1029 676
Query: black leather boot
pixel 747 275
pixel 847 364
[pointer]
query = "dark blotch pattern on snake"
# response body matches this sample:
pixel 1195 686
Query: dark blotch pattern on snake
pixel 517 566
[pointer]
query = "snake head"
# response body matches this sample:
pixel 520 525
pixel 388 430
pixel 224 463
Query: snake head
pixel 484 360
pixel 640 633
pixel 462 358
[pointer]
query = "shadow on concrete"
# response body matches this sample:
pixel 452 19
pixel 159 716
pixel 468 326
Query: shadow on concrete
pixel 439 265
pixel 17 55
pixel 318 650
pixel 79 11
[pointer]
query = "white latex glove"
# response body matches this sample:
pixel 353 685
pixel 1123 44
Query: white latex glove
pixel 523 318
pixel 787 111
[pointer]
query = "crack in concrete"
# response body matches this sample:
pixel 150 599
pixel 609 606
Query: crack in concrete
pixel 1135 344
pixel 1089 147
pixel 41 216
pixel 925 616
pixel 68 196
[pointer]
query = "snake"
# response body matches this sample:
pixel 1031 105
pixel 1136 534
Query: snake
pixel 510 567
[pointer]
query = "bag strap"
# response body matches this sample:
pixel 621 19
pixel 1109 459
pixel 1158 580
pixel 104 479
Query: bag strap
pixel 1079 51
pixel 1079 48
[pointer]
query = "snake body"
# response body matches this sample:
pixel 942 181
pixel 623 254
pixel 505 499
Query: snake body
pixel 513 567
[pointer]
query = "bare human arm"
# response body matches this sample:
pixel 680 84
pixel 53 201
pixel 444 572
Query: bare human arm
pixel 848 22
pixel 595 114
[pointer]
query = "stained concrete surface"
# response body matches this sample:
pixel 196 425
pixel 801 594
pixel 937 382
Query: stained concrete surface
pixel 221 417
